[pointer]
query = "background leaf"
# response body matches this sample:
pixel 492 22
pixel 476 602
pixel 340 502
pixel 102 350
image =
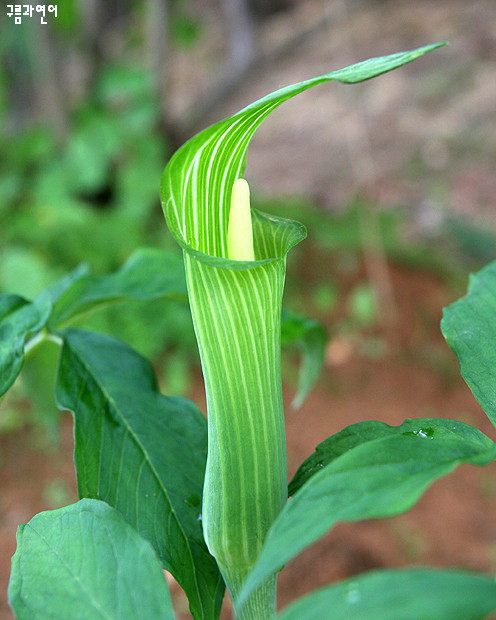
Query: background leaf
pixel 363 432
pixel 469 326
pixel 400 595
pixel 311 338
pixel 142 453
pixel 85 561
pixel 379 478
pixel 18 318
pixel 149 273
pixel 38 378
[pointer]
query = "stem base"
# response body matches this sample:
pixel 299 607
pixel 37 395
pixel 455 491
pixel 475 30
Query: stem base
pixel 261 605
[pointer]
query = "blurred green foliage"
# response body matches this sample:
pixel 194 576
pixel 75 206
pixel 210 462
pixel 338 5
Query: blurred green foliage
pixel 94 200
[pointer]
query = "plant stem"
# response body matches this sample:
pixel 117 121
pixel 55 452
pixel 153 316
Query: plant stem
pixel 262 604
pixel 39 338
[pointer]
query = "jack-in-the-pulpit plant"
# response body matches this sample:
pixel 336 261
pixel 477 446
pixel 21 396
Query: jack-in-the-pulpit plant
pixel 162 488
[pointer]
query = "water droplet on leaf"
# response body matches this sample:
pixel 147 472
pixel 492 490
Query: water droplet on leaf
pixel 423 433
pixel 352 594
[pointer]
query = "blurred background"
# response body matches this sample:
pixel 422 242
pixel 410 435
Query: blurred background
pixel 395 179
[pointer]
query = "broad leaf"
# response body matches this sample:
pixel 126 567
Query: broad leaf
pixel 379 478
pixel 363 432
pixel 310 337
pixel 18 318
pixel 148 274
pixel 400 595
pixel 85 561
pixel 469 326
pixel 142 453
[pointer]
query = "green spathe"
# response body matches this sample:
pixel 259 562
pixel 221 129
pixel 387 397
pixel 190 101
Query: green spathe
pixel 236 310
pixel 239 341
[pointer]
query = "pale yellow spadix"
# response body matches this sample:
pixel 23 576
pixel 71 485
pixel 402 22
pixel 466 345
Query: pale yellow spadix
pixel 240 229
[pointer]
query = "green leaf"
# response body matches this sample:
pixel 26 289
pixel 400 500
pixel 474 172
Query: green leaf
pixel 149 273
pixel 376 479
pixel 85 561
pixel 414 594
pixel 142 453
pixel 469 326
pixel 310 336
pixel 38 377
pixel 363 432
pixel 18 318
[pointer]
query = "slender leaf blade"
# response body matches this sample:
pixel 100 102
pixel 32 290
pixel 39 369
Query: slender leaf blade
pixel 469 326
pixel 400 595
pixel 376 479
pixel 363 432
pixel 149 273
pixel 85 561
pixel 142 453
pixel 311 338
pixel 18 318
